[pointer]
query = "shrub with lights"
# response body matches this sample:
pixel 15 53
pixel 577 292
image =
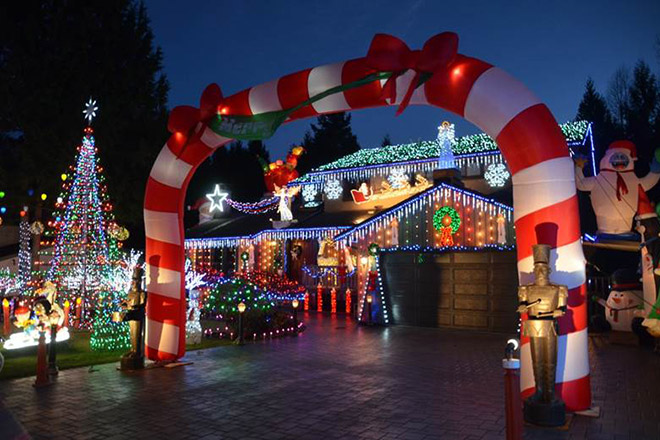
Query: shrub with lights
pixel 278 288
pixel 260 319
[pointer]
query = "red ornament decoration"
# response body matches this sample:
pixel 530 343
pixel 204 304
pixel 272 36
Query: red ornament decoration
pixel 306 305
pixel 348 301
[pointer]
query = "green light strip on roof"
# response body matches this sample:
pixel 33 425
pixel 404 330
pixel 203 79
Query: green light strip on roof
pixel 574 131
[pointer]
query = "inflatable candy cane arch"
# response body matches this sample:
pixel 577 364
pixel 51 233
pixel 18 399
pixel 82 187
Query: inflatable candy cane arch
pixel 390 74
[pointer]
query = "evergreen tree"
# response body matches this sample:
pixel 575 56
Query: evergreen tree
pixel 618 100
pixel 643 111
pixel 53 55
pixel 24 256
pixel 386 142
pixel 593 108
pixel 236 167
pixel 258 148
pixel 331 138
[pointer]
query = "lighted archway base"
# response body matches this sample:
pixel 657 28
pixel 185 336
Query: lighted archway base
pixel 525 130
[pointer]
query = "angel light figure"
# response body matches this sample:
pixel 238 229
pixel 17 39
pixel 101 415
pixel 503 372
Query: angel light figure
pixel 284 208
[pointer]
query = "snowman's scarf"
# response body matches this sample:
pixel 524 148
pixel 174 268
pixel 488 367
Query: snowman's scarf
pixel 621 187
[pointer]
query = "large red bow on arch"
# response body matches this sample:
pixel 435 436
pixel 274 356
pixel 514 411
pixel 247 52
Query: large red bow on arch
pixel 390 54
pixel 184 118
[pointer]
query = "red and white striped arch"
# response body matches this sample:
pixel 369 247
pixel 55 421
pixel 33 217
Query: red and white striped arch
pixel 524 128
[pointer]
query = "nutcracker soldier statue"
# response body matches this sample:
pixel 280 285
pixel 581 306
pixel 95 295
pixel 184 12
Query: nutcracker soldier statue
pixel 543 302
pixel 134 314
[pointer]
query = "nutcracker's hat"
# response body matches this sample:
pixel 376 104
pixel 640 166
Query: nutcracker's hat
pixel 546 237
pixel 644 208
pixel 541 253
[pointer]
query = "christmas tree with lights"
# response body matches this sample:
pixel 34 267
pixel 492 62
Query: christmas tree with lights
pixel 24 255
pixel 108 334
pixel 83 233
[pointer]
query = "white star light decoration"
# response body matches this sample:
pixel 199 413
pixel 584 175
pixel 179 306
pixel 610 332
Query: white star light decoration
pixel 90 110
pixel 216 198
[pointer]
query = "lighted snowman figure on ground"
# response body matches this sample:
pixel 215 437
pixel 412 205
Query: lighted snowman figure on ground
pixel 614 190
pixel 623 302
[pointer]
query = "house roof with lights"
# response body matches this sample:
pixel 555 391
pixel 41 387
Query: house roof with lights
pixel 345 226
pixel 417 156
pixel 331 215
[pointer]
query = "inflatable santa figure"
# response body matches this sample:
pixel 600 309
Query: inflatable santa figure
pixel 614 190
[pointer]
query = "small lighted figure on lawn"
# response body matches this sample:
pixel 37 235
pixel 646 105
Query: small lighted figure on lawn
pixel 623 301
pixel 90 111
pixel 46 316
pixel 216 198
pixel 446 221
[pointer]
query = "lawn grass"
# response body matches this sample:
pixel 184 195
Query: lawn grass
pixel 73 353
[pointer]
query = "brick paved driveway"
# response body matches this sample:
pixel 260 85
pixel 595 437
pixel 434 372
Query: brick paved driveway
pixel 335 381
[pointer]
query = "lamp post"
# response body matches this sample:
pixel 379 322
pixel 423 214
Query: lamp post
pixel 295 304
pixel 369 300
pixel 512 405
pixel 42 379
pixel 241 310
pixel 52 350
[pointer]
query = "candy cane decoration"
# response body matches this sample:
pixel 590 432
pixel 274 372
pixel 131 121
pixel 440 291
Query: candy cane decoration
pixel 390 74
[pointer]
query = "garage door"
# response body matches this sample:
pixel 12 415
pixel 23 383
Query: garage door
pixel 475 290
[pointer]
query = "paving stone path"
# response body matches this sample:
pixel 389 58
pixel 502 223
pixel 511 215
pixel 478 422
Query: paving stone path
pixel 336 381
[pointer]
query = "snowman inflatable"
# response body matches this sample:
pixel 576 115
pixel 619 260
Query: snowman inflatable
pixel 623 302
pixel 614 190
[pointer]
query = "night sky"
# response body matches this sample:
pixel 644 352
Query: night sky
pixel 550 46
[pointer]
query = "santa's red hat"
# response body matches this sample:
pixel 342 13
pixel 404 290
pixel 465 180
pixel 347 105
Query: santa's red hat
pixel 626 145
pixel 644 207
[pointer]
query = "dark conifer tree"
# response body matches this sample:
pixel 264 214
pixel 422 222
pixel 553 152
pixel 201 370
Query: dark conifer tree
pixel 643 112
pixel 331 138
pixel 53 57
pixel 593 108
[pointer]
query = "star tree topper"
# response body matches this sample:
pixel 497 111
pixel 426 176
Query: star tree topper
pixel 90 110
pixel 216 198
